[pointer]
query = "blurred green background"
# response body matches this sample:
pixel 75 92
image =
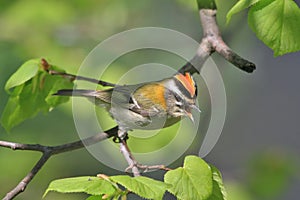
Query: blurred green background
pixel 258 151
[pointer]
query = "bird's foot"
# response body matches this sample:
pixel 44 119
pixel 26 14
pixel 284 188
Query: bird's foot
pixel 121 137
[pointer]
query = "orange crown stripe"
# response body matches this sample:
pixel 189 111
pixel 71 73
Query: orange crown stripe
pixel 188 82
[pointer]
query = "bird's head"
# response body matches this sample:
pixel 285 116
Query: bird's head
pixel 182 95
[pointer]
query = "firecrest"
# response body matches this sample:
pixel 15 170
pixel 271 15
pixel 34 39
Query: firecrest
pixel 151 105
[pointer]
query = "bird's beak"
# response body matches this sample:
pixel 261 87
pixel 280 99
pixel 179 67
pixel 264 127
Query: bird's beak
pixel 195 108
pixel 189 113
pixel 190 116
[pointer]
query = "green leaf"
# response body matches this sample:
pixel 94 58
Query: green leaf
pixel 28 70
pixel 98 197
pixel 9 116
pixel 143 186
pixel 219 192
pixel 206 4
pixel 87 184
pixel 192 5
pixel 52 85
pixel 22 106
pixel 238 7
pixel 192 181
pixel 33 96
pixel 277 24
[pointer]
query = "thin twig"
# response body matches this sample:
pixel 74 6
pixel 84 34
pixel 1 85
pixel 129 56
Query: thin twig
pixel 132 163
pixel 74 77
pixel 212 41
pixel 71 77
pixel 19 146
pixel 153 167
pixel 124 149
pixel 26 180
pixel 48 151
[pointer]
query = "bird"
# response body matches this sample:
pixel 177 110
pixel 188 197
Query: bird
pixel 149 106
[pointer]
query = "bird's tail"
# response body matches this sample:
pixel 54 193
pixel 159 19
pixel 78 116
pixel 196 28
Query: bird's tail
pixel 96 96
pixel 80 93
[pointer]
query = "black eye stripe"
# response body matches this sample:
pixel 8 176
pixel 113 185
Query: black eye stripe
pixel 177 97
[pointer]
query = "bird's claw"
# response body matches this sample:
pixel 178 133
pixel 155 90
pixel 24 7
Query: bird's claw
pixel 120 137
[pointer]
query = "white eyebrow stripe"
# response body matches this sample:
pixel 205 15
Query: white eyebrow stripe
pixel 171 85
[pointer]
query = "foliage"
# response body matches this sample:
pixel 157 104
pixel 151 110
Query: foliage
pixel 276 23
pixel 30 89
pixel 195 180
pixel 143 186
pixel 87 184
pixel 219 192
pixel 188 183
pixel 238 7
pixel 208 4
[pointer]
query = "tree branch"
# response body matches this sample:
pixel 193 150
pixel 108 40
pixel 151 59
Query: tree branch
pixel 212 41
pixel 26 180
pixel 124 149
pixel 132 163
pixel 49 151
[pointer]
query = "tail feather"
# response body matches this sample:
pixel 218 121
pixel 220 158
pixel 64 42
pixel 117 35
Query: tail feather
pixel 102 96
pixel 70 92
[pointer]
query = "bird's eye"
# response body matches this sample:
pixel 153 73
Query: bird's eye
pixel 178 99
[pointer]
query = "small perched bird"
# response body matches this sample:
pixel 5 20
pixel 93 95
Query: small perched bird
pixel 151 105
